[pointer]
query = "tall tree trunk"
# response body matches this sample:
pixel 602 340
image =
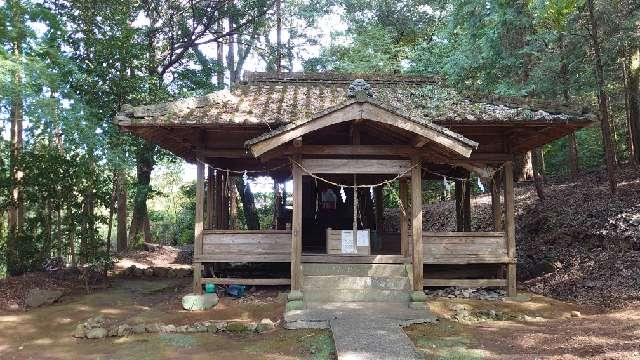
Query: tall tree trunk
pixel 121 195
pixel 233 204
pixel 231 54
pixel 15 209
pixel 572 143
pixel 633 93
pixel 220 58
pixel 144 165
pixel 277 203
pixel 536 159
pixel 248 204
pixel 278 36
pixel 603 105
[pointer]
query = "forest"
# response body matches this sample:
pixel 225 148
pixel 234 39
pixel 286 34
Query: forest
pixel 75 189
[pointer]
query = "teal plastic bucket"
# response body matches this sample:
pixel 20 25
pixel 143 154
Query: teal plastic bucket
pixel 209 288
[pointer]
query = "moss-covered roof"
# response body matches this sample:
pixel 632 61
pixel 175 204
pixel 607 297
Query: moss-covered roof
pixel 265 98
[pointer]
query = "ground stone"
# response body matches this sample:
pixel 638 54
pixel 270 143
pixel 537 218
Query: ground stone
pixel 199 302
pixel 576 314
pixel 80 331
pixel 295 305
pixel 97 333
pixel 265 325
pixel 139 329
pixel 124 330
pixel 38 297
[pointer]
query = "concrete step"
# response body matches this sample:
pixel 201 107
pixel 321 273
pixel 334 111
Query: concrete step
pixel 352 295
pixel 348 282
pixel 377 270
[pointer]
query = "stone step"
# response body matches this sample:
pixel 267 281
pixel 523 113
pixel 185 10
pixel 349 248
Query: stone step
pixel 348 282
pixel 377 270
pixel 351 295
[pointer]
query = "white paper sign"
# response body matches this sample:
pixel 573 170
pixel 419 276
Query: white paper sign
pixel 363 238
pixel 348 245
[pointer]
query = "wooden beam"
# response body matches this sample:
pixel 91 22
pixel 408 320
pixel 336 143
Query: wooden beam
pixel 416 223
pixel 240 281
pixel 404 218
pixel 465 282
pixel 356 111
pixel 296 228
pixel 510 227
pixel 355 166
pixel 198 227
pixel 224 153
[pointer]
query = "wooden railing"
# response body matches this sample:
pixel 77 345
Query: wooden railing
pixel 246 246
pixel 464 247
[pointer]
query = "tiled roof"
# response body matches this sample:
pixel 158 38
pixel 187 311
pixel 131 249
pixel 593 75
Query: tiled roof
pixel 287 98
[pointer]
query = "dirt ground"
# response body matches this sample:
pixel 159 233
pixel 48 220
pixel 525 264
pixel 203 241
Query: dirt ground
pixel 549 332
pixel 46 333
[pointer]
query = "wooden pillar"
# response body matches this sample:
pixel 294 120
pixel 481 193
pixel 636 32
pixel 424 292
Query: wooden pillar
pixel 379 203
pixel 416 223
pixel 296 228
pixel 218 200
pixel 510 227
pixel 199 227
pixel 225 200
pixel 459 192
pixel 404 218
pixel 466 206
pixel 495 202
pixel 211 198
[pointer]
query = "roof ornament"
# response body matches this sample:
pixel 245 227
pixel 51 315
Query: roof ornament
pixel 359 90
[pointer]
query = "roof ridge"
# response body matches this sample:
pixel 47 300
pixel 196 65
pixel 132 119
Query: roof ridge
pixel 336 77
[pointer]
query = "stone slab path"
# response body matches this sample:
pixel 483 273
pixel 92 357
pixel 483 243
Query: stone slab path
pixel 363 331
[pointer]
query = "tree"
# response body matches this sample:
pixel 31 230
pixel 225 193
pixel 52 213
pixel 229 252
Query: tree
pixel 603 105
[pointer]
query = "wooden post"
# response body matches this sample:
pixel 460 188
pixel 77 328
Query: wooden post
pixel 510 229
pixel 210 198
pixel 416 223
pixel 379 203
pixel 404 218
pixel 459 190
pixel 296 228
pixel 355 213
pixel 218 200
pixel 495 202
pixel 199 227
pixel 466 206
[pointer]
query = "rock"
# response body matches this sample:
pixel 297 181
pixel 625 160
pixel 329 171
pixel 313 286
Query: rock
pixel 139 329
pixel 295 295
pixel 221 326
pixel 252 327
pixel 137 272
pixel 95 322
pixel 37 297
pixel 168 328
pixel 97 333
pixel 113 331
pixel 181 329
pixel 160 272
pixel 124 330
pixel 148 272
pixel 80 331
pixel 153 328
pixel 295 305
pixel 198 302
pixel 265 325
pixel 576 314
pixel 418 296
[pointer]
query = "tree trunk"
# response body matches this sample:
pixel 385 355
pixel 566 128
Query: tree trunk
pixel 112 204
pixel 459 192
pixel 572 143
pixel 605 126
pixel 466 205
pixel 536 158
pixel 15 211
pixel 144 164
pixel 633 92
pixel 233 204
pixel 277 203
pixel 278 36
pixel 121 218
pixel 220 58
pixel 231 55
pixel 248 204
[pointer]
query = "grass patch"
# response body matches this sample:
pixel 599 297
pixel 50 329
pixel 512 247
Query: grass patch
pixel 179 340
pixel 319 345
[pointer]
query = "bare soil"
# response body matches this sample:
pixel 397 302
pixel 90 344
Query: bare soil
pixel 46 333
pixel 551 332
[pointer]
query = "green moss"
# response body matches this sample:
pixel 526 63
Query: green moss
pixel 238 327
pixel 295 305
pixel 320 345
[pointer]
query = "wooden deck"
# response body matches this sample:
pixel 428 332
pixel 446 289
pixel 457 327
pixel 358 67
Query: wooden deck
pixel 439 248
